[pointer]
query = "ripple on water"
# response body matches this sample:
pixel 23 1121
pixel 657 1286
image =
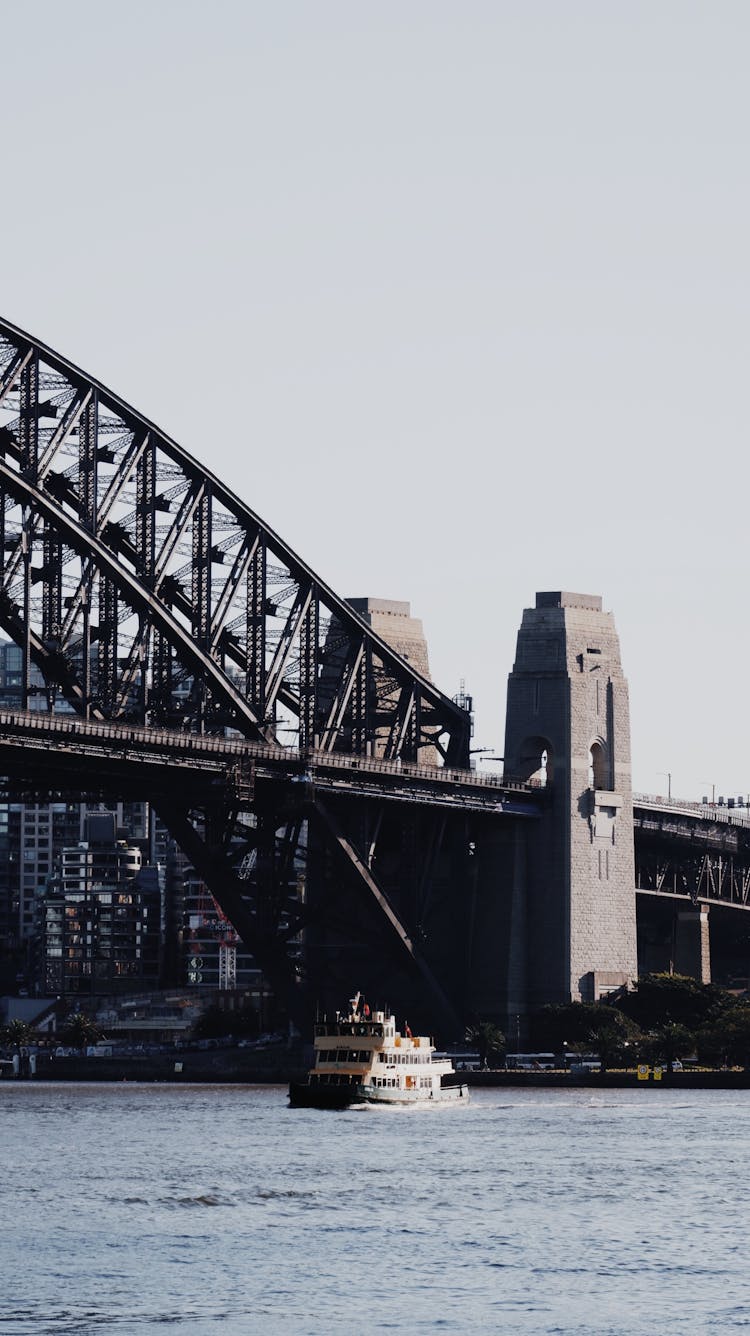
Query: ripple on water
pixel 217 1210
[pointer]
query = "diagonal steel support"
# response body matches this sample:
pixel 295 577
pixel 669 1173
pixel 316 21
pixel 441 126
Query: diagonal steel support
pixel 366 879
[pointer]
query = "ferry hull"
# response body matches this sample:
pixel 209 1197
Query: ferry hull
pixel 304 1096
pixel 452 1094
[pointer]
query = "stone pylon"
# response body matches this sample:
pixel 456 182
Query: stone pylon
pixel 567 727
pixel 390 619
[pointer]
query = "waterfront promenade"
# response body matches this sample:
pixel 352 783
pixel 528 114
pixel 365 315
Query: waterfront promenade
pixel 232 1066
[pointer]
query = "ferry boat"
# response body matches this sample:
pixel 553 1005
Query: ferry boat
pixel 361 1058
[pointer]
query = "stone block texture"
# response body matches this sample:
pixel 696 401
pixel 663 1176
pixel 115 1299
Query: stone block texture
pixel 391 619
pixel 567 725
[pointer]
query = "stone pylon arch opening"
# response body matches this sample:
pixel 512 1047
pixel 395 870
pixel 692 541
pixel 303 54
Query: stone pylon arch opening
pixel 599 777
pixel 536 761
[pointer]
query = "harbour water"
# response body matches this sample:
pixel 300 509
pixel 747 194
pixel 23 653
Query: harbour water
pixel 136 1209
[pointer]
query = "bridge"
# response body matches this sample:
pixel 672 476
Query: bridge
pixel 173 647
pixel 692 849
pixel 166 622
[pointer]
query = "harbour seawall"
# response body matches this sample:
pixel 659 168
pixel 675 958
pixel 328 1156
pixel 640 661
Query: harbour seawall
pixel 220 1067
pixel 731 1079
pixel 278 1067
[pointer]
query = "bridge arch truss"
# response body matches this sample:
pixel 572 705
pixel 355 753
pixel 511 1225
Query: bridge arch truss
pixel 142 588
pixel 142 591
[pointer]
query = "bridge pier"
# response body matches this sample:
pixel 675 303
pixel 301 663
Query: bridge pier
pixel 692 947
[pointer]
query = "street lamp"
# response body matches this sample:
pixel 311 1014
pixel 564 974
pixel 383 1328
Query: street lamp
pixel 667 774
pixel 713 791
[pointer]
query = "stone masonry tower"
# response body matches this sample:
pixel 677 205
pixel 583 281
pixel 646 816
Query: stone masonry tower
pixel 568 725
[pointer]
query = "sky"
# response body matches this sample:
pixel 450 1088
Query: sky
pixel 454 296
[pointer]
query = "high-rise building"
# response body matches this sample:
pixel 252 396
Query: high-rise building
pixel 101 917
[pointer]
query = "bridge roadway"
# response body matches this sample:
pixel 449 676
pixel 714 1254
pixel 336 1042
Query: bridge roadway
pixel 696 850
pixel 47 748
pixel 680 812
pixel 23 733
pixel 684 850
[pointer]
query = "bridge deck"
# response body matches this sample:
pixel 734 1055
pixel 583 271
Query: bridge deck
pixel 333 771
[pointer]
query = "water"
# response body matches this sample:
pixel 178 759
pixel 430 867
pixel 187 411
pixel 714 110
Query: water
pixel 133 1209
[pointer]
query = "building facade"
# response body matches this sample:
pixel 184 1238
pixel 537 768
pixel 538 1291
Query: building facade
pixel 100 917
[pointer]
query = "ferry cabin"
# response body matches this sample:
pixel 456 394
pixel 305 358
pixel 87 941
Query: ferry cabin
pixel 371 1051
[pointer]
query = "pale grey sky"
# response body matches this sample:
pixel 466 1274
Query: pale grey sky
pixel 454 295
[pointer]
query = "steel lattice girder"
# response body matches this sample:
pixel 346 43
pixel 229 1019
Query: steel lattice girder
pixel 698 874
pixel 143 590
pixel 163 596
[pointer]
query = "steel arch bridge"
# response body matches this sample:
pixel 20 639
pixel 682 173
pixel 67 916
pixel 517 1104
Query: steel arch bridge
pixel 143 592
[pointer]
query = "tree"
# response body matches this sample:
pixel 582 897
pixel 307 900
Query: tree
pixel 667 1042
pixel 660 999
pixel 727 1041
pixel 488 1039
pixel 595 1027
pixel 18 1034
pixel 79 1031
pixel 614 1038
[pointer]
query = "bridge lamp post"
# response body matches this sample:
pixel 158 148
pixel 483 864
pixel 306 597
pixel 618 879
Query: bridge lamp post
pixel 667 774
pixel 484 753
pixel 713 791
